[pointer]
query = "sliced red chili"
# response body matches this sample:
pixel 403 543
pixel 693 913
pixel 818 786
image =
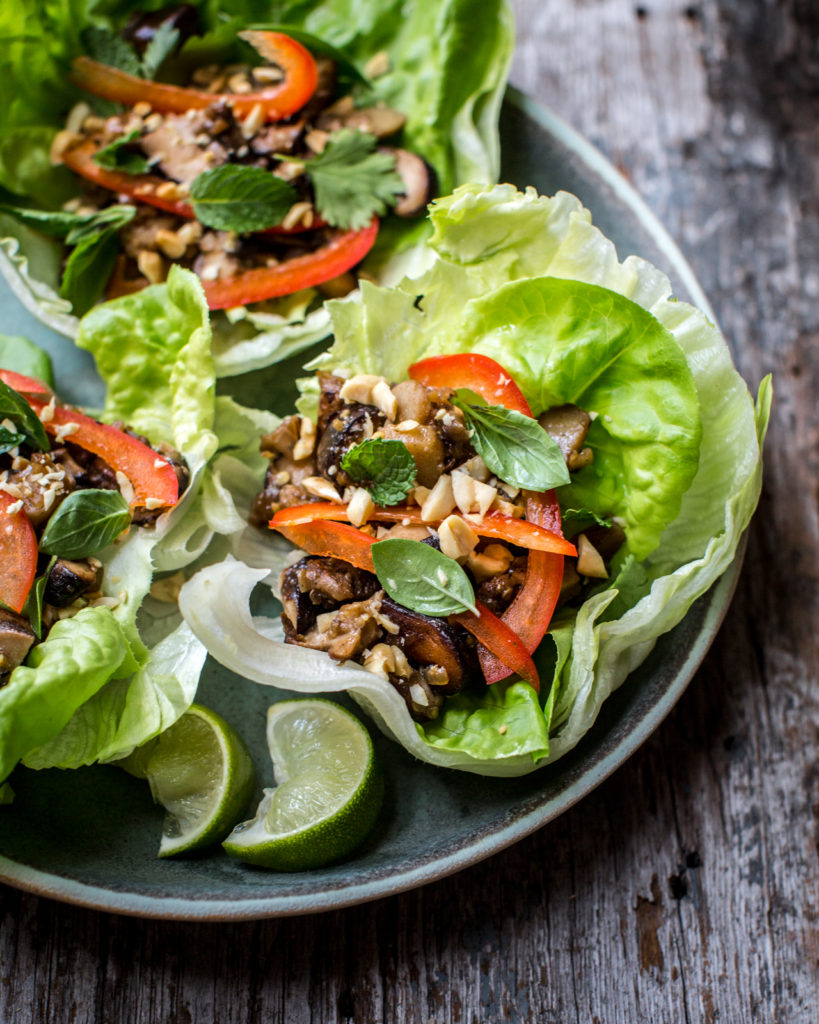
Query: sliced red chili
pixel 479 373
pixel 279 101
pixel 151 476
pixel 341 253
pixel 18 554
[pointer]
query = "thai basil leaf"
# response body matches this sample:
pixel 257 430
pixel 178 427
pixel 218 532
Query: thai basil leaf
pixel 240 198
pixel 23 356
pixel 117 157
pixel 9 439
pixel 515 447
pixel 73 227
pixel 88 268
pixel 86 522
pixel 421 578
pixel 14 407
pixel 33 608
pixel 385 468
pixel 111 217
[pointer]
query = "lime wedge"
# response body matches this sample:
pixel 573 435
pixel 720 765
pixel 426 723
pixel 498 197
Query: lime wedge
pixel 201 772
pixel 329 789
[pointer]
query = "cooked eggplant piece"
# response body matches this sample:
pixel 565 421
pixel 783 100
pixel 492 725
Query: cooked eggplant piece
pixel 69 580
pixel 16 638
pixel 315 584
pixel 430 641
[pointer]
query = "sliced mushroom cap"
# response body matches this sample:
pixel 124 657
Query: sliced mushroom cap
pixel 431 641
pixel 315 584
pixel 569 425
pixel 419 183
pixel 16 638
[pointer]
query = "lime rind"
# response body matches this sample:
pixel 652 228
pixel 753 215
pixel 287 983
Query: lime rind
pixel 201 772
pixel 329 793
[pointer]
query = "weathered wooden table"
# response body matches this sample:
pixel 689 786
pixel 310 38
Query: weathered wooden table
pixel 686 888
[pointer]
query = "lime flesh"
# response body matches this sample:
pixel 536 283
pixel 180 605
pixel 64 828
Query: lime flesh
pixel 201 772
pixel 330 789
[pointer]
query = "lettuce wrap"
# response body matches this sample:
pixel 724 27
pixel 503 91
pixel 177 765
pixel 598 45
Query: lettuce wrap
pixel 529 281
pixel 110 678
pixel 447 62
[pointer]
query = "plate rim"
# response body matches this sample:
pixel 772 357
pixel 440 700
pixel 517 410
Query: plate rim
pixel 179 908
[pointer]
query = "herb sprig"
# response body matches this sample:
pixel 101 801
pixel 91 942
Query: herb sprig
pixel 385 468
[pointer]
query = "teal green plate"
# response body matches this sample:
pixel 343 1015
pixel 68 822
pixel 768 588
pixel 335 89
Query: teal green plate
pixel 90 836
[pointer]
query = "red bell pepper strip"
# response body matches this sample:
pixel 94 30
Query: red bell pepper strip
pixel 147 188
pixel 151 476
pixel 499 642
pixel 18 554
pixel 341 253
pixel 278 101
pixel 329 539
pixel 480 374
pixel 531 611
pixel 520 532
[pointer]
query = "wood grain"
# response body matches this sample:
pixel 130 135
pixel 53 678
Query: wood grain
pixel 686 887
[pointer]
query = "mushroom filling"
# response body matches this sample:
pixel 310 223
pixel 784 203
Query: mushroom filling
pixel 177 148
pixel 39 482
pixel 332 606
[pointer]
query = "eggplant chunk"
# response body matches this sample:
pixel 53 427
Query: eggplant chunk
pixel 16 638
pixel 69 580
pixel 431 641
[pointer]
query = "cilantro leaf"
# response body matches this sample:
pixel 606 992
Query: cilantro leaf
pixel 240 198
pixel 386 469
pixel 352 180
pixel 117 157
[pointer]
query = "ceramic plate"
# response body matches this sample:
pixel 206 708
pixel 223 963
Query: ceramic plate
pixel 90 836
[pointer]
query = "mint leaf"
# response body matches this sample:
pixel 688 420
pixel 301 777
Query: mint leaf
pixel 386 469
pixel 515 447
pixel 163 43
pixel 110 48
pixel 70 226
pixel 117 157
pixel 352 180
pixel 239 198
pixel 86 522
pixel 421 578
pixel 26 421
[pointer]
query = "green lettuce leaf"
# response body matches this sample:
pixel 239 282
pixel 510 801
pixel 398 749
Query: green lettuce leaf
pixel 77 659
